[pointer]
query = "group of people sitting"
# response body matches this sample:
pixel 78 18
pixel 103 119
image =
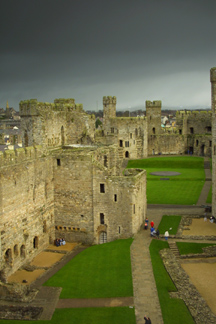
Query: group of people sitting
pixel 154 233
pixel 60 241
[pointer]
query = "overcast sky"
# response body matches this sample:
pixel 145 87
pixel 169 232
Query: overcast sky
pixel 136 50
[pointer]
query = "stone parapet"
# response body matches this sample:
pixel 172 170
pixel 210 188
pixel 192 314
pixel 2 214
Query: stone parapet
pixel 153 104
pixel 19 155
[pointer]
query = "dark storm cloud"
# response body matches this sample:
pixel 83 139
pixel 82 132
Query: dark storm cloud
pixel 137 50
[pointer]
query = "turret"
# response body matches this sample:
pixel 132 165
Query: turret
pixel 109 108
pixel 153 114
pixel 7 111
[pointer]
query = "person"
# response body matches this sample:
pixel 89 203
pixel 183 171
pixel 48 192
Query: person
pixel 146 220
pixel 153 232
pixel 211 220
pixel 166 235
pixel 146 226
pixel 63 242
pixel 157 233
pixel 147 320
pixel 152 224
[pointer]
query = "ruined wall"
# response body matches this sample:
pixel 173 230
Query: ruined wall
pixel 26 206
pixel 55 124
pixel 213 107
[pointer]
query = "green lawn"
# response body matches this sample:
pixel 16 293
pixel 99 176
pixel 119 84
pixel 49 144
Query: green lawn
pixel 209 198
pixel 108 315
pixel 183 189
pixel 187 248
pixel 174 311
pixel 168 222
pixel 100 271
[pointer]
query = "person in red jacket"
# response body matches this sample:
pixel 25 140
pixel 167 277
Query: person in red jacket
pixel 152 224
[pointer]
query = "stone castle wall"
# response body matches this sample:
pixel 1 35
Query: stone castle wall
pixel 26 206
pixel 166 144
pixel 55 124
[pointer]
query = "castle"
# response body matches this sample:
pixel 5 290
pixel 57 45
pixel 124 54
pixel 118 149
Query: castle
pixel 69 181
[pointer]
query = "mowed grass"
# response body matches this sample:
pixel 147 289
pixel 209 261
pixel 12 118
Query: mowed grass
pixel 108 315
pixel 191 248
pixel 183 189
pixel 99 271
pixel 169 223
pixel 174 311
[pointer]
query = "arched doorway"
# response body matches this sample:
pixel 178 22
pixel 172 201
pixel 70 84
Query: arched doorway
pixel 8 256
pixel 103 237
pixel 127 154
pixel 202 152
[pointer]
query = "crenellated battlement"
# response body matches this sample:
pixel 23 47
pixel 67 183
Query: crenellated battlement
pixel 109 100
pixel 213 74
pixel 10 157
pixel 33 107
pixel 153 104
pixel 193 113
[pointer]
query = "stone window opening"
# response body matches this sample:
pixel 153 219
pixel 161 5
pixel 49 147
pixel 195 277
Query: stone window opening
pixel 102 187
pixel 105 161
pixel 130 135
pixel 62 136
pixel 136 131
pixel 180 131
pixel 120 143
pixel 44 226
pixel 58 162
pixel 102 218
pixel 112 130
pixel 191 130
pixel 153 130
pixel 16 250
pixel 210 143
pixel 115 197
pixel 35 242
pixel 197 142
pixel 134 209
pixel 26 138
pixel 119 229
pixel 208 129
pixel 127 154
pixel 126 143
pixel 22 251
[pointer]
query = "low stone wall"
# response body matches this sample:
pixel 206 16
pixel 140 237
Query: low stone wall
pixel 20 312
pixel 16 292
pixel 197 306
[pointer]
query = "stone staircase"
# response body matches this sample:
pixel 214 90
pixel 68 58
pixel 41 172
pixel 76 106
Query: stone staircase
pixel 174 249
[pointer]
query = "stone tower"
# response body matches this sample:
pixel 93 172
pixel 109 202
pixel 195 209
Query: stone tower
pixel 109 108
pixel 7 111
pixel 213 107
pixel 153 114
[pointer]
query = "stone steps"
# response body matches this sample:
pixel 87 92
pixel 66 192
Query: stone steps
pixel 174 249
